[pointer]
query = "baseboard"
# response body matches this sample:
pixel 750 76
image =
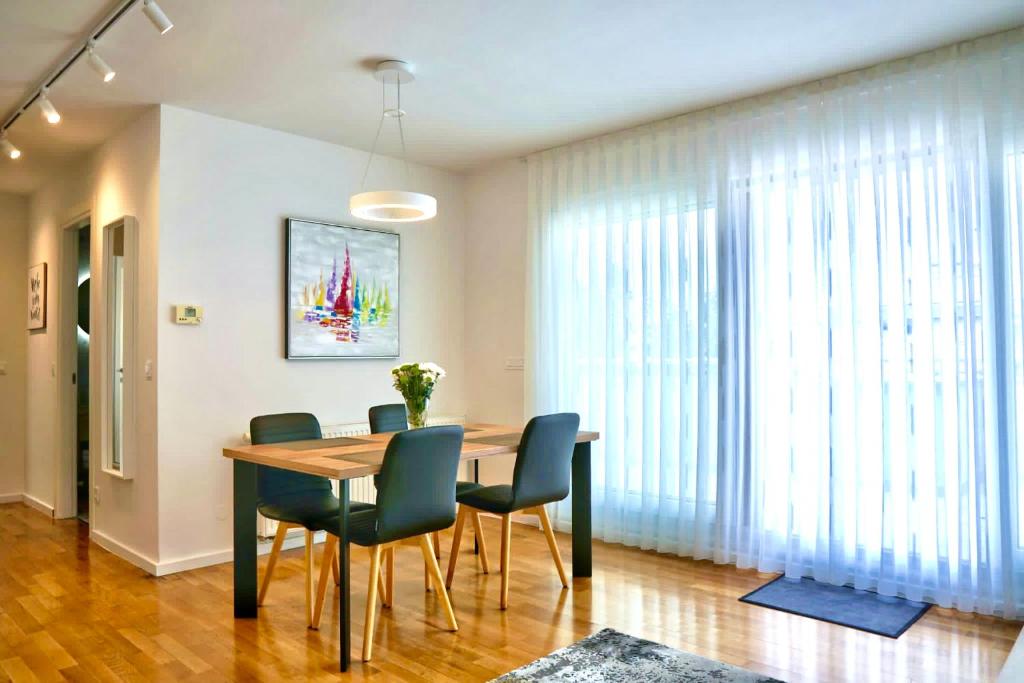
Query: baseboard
pixel 37 504
pixel 11 498
pixel 127 554
pixel 221 556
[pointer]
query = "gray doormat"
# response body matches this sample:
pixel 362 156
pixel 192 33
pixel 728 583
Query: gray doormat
pixel 612 656
pixel 862 610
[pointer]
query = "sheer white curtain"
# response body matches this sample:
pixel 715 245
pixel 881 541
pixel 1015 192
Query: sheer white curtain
pixel 797 322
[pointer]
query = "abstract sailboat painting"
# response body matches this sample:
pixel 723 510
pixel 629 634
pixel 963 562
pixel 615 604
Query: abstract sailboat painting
pixel 342 291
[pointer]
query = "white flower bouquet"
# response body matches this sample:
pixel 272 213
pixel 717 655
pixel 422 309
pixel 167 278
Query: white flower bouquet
pixel 416 382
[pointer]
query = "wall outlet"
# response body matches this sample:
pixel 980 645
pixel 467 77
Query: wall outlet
pixel 514 363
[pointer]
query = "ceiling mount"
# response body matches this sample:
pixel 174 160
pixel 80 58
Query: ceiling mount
pixel 394 71
pixel 392 206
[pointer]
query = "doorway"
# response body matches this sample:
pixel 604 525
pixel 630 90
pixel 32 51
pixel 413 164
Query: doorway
pixel 81 374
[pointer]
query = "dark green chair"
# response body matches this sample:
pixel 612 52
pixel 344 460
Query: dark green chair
pixel 415 498
pixel 542 475
pixel 391 417
pixel 388 418
pixel 292 499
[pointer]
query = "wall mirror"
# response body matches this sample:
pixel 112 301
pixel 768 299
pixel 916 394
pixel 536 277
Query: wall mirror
pixel 120 366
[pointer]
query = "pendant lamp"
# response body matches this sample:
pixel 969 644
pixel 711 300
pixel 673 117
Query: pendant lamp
pixel 392 206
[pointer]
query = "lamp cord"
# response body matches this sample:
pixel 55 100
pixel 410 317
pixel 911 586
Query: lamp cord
pixel 380 125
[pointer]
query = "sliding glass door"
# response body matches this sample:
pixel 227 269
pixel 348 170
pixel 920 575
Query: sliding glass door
pixel 797 322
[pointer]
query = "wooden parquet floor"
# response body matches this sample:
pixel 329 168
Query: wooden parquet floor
pixel 71 611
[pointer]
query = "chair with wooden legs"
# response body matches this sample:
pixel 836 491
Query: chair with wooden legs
pixel 415 498
pixel 392 417
pixel 542 475
pixel 292 499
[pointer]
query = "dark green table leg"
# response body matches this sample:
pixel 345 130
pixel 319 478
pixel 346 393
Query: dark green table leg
pixel 581 551
pixel 476 480
pixel 344 599
pixel 245 539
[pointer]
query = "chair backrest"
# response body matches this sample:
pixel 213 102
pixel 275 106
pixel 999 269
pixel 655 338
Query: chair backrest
pixel 544 460
pixel 273 483
pixel 388 418
pixel 416 489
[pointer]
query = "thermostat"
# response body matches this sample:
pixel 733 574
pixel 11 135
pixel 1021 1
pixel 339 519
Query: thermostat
pixel 188 314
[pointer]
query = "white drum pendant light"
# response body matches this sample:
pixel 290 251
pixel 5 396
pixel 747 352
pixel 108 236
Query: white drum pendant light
pixel 392 206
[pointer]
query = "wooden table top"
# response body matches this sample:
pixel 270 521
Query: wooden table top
pixel 349 457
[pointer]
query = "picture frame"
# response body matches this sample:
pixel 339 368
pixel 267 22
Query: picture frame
pixel 325 262
pixel 37 297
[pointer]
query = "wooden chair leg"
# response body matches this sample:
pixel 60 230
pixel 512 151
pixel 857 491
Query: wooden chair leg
pixel 549 533
pixel 381 590
pixel 480 544
pixel 275 550
pixel 506 557
pixel 389 589
pixel 326 564
pixel 309 578
pixel 435 573
pixel 334 569
pixel 371 603
pixel 460 522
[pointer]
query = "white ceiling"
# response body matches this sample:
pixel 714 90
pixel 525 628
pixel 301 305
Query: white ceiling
pixel 495 78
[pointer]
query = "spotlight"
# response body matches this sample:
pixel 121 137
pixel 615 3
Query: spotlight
pixel 49 111
pixel 157 16
pixel 9 149
pixel 99 65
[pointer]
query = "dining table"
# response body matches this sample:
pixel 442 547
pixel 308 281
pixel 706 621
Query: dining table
pixel 350 457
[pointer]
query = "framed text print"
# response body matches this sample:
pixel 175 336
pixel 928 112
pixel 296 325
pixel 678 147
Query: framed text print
pixel 37 297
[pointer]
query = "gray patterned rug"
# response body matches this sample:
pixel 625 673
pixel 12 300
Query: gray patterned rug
pixel 612 656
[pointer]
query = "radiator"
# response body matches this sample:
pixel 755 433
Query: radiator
pixel 360 490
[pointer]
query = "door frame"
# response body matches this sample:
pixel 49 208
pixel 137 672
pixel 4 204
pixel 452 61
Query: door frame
pixel 65 482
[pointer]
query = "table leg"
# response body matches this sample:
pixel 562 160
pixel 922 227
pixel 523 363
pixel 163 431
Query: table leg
pixel 476 480
pixel 344 599
pixel 245 539
pixel 581 539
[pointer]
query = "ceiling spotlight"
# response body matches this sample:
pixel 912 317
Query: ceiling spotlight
pixel 99 65
pixel 9 149
pixel 157 16
pixel 49 111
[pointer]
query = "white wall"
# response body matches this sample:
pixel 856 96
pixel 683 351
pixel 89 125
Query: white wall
pixel 496 300
pixel 119 178
pixel 13 297
pixel 226 189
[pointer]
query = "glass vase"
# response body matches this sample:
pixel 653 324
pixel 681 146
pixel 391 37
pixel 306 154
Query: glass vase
pixel 416 412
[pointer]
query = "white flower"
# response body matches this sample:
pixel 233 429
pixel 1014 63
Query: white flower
pixel 433 368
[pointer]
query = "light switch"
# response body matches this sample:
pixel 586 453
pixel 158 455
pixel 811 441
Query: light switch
pixel 3 367
pixel 147 369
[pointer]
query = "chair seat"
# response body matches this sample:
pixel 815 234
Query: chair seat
pixel 306 509
pixel 362 527
pixel 463 486
pixel 496 499
pixel 460 486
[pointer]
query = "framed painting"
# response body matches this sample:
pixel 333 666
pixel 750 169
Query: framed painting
pixel 37 297
pixel 342 291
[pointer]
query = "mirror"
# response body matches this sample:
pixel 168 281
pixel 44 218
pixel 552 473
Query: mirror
pixel 119 273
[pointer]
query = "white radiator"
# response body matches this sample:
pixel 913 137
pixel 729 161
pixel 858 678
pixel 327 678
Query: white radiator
pixel 361 489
